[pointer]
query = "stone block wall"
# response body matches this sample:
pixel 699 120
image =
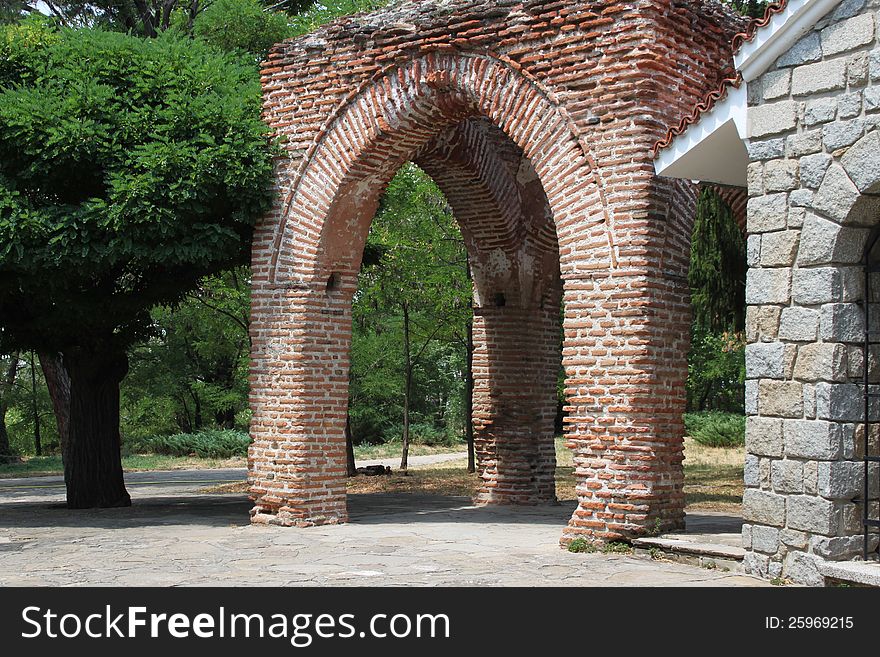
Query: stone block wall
pixel 815 163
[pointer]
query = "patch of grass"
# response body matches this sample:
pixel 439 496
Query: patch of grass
pixel 582 545
pixel 37 466
pixel 367 452
pixel 713 477
pixel 716 428
pixel 780 581
pixel 656 553
pixel 617 547
pixel 32 466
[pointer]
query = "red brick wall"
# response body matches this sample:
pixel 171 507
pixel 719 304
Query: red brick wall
pixel 536 119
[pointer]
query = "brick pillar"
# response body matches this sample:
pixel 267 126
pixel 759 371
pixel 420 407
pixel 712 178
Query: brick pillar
pixel 299 377
pixel 624 416
pixel 516 363
pixel 627 336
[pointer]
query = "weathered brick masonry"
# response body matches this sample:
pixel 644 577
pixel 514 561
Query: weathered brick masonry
pixel 537 120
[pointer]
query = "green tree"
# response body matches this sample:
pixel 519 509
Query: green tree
pixel 129 170
pixel 193 371
pixel 8 372
pixel 412 305
pixel 328 10
pixel 750 8
pixel 241 25
pixel 151 17
pixel 716 364
pixel 717 275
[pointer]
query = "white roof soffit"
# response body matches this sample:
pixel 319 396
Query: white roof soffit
pixel 714 148
pixel 711 150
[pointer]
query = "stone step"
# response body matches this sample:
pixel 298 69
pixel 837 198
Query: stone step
pixel 693 552
pixel 859 573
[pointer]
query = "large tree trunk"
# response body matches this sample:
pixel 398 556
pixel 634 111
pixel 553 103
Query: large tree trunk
pixel 5 387
pixel 407 386
pixel 58 383
pixel 93 470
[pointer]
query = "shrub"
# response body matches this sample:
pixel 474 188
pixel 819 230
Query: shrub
pixel 212 443
pixel 716 428
pixel 423 433
pixel 716 371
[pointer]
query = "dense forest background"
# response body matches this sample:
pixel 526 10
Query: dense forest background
pixel 411 311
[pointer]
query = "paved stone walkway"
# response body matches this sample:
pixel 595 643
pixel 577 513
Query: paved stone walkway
pixel 173 536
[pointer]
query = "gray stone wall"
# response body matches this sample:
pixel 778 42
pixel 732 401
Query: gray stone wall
pixel 815 161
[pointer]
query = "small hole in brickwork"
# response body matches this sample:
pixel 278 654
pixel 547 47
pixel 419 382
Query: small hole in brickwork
pixel 499 300
pixel 333 282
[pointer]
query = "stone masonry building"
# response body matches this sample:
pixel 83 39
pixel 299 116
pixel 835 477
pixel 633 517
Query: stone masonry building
pixel 799 129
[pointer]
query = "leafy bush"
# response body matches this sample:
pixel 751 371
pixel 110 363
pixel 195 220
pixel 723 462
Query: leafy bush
pixel 716 371
pixel 212 443
pixel 240 25
pixel 423 433
pixel 716 428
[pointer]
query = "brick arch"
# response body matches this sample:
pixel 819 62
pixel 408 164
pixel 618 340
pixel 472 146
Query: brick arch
pixel 499 202
pixel 401 109
pixel 421 110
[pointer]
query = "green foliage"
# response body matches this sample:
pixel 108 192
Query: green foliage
pixel 750 8
pixel 328 10
pixel 205 444
pixel 582 545
pixel 193 371
pixel 718 266
pixel 129 169
pixel 425 433
pixel 716 363
pixel 20 421
pixel 716 371
pixel 241 25
pixel 415 258
pixel 716 428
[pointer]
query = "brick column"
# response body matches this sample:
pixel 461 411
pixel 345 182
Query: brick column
pixel 516 361
pixel 299 380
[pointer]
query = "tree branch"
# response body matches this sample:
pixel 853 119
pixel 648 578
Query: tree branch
pixel 228 314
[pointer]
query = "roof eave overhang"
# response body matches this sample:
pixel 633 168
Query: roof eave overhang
pixel 714 148
pixel 694 153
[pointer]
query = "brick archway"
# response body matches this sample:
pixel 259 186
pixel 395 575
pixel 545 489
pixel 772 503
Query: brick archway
pixel 544 191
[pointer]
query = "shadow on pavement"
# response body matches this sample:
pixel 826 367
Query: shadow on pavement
pixel 233 510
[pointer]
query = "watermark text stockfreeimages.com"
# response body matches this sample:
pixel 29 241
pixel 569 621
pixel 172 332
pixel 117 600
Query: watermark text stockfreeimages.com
pixel 300 629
